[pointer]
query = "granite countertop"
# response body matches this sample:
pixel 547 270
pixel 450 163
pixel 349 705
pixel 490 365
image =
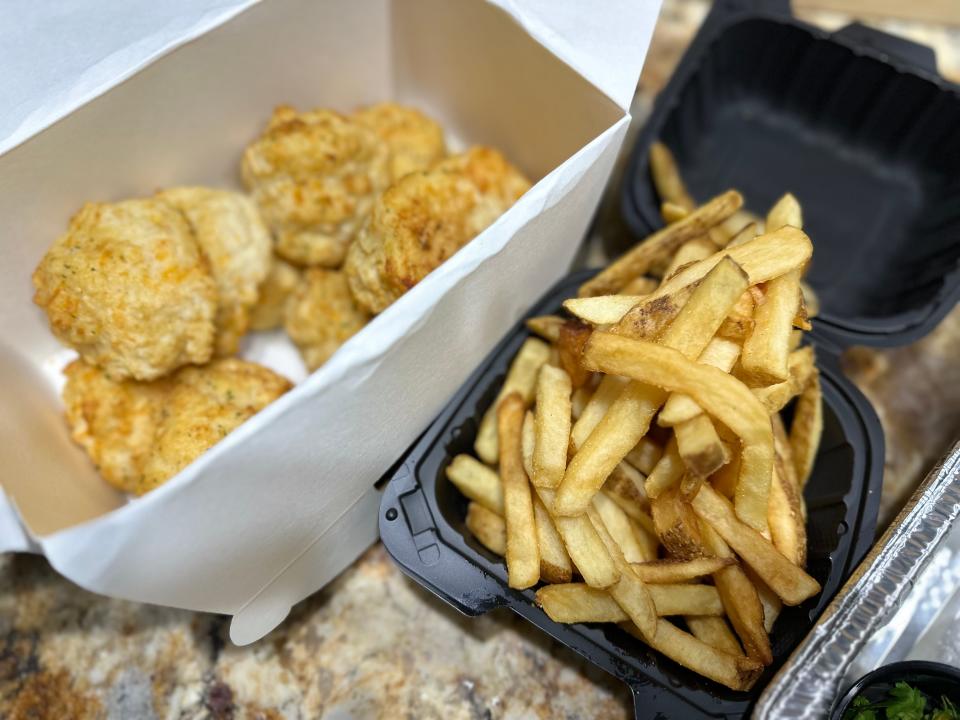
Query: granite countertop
pixel 373 644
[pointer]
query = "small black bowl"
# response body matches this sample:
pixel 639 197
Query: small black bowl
pixel 933 679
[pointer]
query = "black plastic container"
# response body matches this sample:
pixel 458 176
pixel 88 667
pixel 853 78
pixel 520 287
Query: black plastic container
pixel 422 526
pixel 934 679
pixel 856 123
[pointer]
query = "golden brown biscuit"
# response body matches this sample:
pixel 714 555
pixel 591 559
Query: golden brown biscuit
pixel 322 315
pixel 274 291
pixel 114 421
pixel 415 141
pixel 237 246
pixel 314 176
pixel 424 219
pixel 126 286
pixel 205 404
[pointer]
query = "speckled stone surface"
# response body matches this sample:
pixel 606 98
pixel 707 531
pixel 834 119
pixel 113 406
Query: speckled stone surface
pixel 373 644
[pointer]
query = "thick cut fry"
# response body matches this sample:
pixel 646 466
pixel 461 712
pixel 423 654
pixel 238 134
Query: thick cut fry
pixel 617 523
pixel 724 480
pixel 666 177
pixel 645 455
pixel 649 320
pixel 802 369
pixel 579 603
pixel 671 212
pixel 521 379
pixel 715 632
pixel 662 244
pixel 546 326
pixel 629 591
pixel 745 234
pixel 606 393
pixel 762 258
pixel 666 473
pixel 765 352
pixel 523 553
pixel 528 438
pixel 477 482
pixel 785 516
pixel 641 285
pixel 487 527
pixel 786 211
pixel 552 427
pixel 555 564
pixel 627 482
pixel 768 600
pixel 601 309
pixel 628 418
pixel 719 394
pixel 691 251
pixel 788 581
pixel 676 526
pixel 584 545
pixel 740 599
pixel 806 429
pixel 643 528
pixel 663 572
pixel 686 599
pixel 734 672
pixel 699 446
pixel 573 336
pixel 578 401
pixel 721 354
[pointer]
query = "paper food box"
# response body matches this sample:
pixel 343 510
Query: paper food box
pixel 287 500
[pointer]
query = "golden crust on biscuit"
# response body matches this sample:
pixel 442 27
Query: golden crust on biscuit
pixel 127 287
pixel 322 315
pixel 237 246
pixel 424 219
pixel 415 141
pixel 282 279
pixel 314 176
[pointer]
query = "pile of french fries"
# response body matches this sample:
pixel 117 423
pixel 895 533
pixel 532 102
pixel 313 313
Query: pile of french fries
pixel 642 468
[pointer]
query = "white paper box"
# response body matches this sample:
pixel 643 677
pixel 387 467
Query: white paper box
pixel 286 501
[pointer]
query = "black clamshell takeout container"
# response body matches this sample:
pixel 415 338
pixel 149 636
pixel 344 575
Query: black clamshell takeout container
pixel 859 126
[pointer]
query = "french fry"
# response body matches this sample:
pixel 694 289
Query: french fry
pixel 715 632
pixel 686 599
pixel 663 572
pixel 579 603
pixel 627 482
pixel 649 320
pixel 746 233
pixel 601 309
pixel 617 523
pixel 573 336
pixel 628 418
pixel 810 300
pixel 801 370
pixel 528 439
pixel 521 379
pixel 789 582
pixel 786 211
pixel 691 251
pixel 584 546
pixel 477 482
pixel 629 591
pixel 643 528
pixel 551 427
pixel 796 337
pixel 768 600
pixel 546 326
pixel 785 514
pixel 734 672
pixel 666 177
pixel 523 553
pixel 671 212
pixel 739 597
pixel 724 480
pixel 604 396
pixel 676 526
pixel 666 473
pixel 719 353
pixel 719 394
pixel 555 564
pixel 699 446
pixel 645 455
pixel 578 401
pixel 661 244
pixel 641 285
pixel 763 258
pixel 806 430
pixel 765 352
pixel 488 528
